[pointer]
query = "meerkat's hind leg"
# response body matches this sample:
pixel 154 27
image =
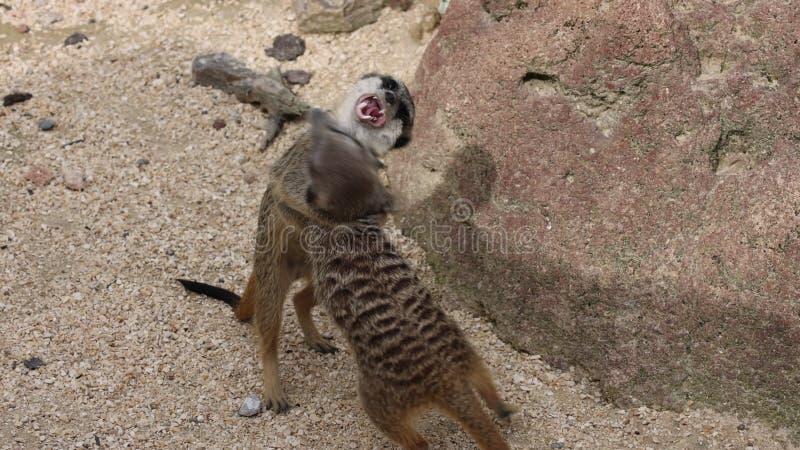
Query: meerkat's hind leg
pixel 396 423
pixel 303 303
pixel 461 403
pixel 269 291
pixel 480 379
pixel 246 307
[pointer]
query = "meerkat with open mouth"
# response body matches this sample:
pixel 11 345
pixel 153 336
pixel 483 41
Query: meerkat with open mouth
pixel 379 112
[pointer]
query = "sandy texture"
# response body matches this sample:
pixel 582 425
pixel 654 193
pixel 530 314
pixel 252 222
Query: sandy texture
pixel 86 276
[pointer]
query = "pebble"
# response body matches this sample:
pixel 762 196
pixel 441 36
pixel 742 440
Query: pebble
pixel 23 28
pixel 556 444
pixel 75 38
pixel 141 162
pixel 286 47
pixel 250 177
pixel 47 124
pixel 219 124
pixel 54 17
pixel 33 363
pixel 39 175
pixel 73 179
pixel 16 97
pixel 251 406
pixel 300 77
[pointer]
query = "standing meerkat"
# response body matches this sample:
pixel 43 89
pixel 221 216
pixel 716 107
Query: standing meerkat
pixel 377 110
pixel 410 355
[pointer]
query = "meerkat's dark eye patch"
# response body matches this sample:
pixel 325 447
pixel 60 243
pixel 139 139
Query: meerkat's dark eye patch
pixel 389 83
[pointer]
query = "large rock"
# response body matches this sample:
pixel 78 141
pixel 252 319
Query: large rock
pixel 335 16
pixel 617 186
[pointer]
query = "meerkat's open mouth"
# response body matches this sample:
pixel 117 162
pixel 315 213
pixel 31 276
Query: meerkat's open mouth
pixel 370 110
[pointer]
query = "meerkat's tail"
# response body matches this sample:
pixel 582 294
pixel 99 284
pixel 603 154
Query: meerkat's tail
pixel 463 405
pixel 214 292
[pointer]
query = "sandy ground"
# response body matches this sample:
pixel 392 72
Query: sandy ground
pixel 86 277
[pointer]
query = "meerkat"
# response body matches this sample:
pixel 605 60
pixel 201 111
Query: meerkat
pixel 411 356
pixel 378 110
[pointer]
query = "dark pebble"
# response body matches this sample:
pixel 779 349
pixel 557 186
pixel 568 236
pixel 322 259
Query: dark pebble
pixel 297 76
pixel 141 162
pixel 741 427
pixel 219 124
pixel 33 363
pixel 286 47
pixel 556 445
pixel 75 38
pixel 47 124
pixel 16 97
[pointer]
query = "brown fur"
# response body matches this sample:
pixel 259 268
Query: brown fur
pixel 410 355
pixel 279 258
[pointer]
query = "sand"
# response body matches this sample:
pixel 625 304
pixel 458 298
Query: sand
pixel 86 276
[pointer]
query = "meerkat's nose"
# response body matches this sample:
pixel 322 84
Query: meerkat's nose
pixel 390 97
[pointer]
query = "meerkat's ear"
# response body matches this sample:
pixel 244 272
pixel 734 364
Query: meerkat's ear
pixel 344 179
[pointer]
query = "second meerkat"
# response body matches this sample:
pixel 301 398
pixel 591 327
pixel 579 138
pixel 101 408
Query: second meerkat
pixel 410 355
pixel 378 111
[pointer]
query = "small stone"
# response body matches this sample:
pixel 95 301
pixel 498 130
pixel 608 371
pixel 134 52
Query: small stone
pixel 251 406
pixel 16 97
pixel 75 38
pixel 47 124
pixel 54 17
pixel 23 28
pixel 741 427
pixel 33 363
pixel 141 162
pixel 286 47
pixel 73 179
pixel 219 124
pixel 250 177
pixel 241 158
pixel 297 77
pixel 40 176
pixel 557 444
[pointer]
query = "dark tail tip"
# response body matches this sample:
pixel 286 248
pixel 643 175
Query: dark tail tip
pixel 208 290
pixel 504 410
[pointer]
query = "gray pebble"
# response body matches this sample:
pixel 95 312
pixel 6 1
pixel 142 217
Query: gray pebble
pixel 75 38
pixel 141 162
pixel 54 17
pixel 556 444
pixel 251 406
pixel 33 363
pixel 47 124
pixel 297 77
pixel 287 47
